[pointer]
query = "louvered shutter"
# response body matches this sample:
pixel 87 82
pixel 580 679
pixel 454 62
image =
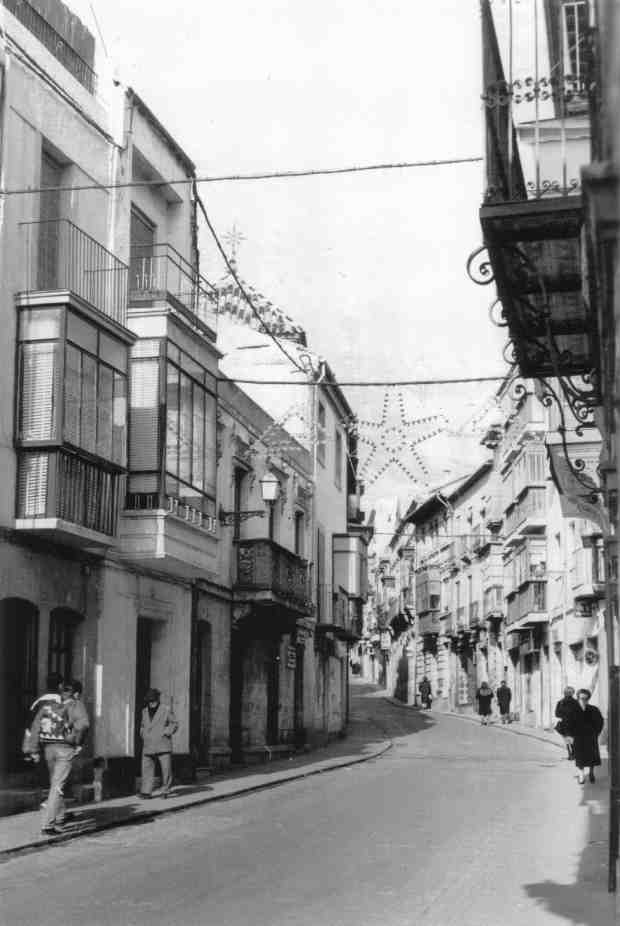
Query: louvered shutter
pixel 32 481
pixel 105 404
pixel 198 438
pixel 144 416
pixel 88 435
pixel 185 429
pixel 73 390
pixel 119 420
pixel 210 451
pixel 39 392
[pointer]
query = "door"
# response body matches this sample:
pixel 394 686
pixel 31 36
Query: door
pixel 201 692
pixel 142 261
pixel 49 229
pixel 300 732
pixel 144 647
pixel 19 627
pixel 273 691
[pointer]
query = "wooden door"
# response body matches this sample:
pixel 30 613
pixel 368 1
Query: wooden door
pixel 201 692
pixel 49 230
pixel 273 691
pixel 19 627
pixel 300 732
pixel 144 646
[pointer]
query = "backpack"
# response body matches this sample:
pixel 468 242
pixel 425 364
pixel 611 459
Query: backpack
pixel 53 723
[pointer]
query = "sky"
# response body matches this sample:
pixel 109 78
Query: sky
pixel 372 265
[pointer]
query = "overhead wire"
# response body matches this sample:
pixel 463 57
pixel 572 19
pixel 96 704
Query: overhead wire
pixel 230 178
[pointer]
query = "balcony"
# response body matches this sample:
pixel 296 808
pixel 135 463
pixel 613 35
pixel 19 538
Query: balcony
pixel 29 17
pixel 68 499
pixel 474 613
pixel 493 602
pixel 159 273
pixel 428 589
pixel 270 575
pixel 528 605
pixel 60 257
pixel 589 573
pixel 171 534
pixel 527 516
pixel 429 624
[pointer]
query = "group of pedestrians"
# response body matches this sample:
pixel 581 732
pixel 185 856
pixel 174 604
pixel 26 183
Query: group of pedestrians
pixel 57 731
pixel 580 724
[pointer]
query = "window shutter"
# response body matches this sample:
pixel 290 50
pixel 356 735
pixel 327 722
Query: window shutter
pixel 144 416
pixel 210 474
pixel 32 485
pixel 119 420
pixel 73 379
pixel 39 390
pixel 185 430
pixel 88 436
pixel 105 403
pixel 198 439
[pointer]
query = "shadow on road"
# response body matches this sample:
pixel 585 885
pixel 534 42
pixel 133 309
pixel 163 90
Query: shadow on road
pixel 586 901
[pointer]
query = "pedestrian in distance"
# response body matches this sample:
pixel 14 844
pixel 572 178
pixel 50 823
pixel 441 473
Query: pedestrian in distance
pixel 157 729
pixel 564 710
pixel 426 696
pixel 484 696
pixel 586 727
pixel 504 697
pixel 59 729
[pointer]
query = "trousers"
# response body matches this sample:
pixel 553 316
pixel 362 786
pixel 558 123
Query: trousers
pixel 59 757
pixel 148 772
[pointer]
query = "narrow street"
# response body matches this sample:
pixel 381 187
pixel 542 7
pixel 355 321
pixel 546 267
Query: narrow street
pixel 456 824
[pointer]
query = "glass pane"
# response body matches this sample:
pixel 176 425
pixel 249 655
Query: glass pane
pixel 73 378
pixel 198 438
pixel 32 485
pixel 113 352
pixel 39 388
pixel 210 457
pixel 105 402
pixel 119 421
pixel 144 416
pixel 88 435
pixel 81 332
pixel 172 420
pixel 39 324
pixel 185 430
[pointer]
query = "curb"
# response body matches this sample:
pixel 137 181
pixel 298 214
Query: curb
pixel 507 728
pixel 148 816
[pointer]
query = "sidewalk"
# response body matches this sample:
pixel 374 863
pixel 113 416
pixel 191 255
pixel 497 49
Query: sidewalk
pixel 520 729
pixel 21 833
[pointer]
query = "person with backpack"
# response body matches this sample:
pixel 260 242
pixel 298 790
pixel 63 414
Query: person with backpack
pixel 52 694
pixel 59 729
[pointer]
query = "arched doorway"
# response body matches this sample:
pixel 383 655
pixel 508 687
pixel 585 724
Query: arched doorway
pixel 19 627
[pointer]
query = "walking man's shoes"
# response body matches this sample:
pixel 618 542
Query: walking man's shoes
pixel 592 778
pixel 51 831
pixel 145 797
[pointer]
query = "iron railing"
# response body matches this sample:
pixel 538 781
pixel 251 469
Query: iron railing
pixel 58 484
pixel 159 271
pixel 54 42
pixel 60 256
pixel 263 565
pixel 180 508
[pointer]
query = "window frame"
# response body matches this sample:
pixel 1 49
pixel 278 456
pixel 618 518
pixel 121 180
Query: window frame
pixel 321 423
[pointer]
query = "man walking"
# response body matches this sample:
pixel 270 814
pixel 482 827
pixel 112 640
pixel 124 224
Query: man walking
pixel 425 693
pixel 157 729
pixel 504 697
pixel 60 729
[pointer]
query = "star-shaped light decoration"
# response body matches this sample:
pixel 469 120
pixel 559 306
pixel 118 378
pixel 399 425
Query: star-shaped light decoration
pixel 394 439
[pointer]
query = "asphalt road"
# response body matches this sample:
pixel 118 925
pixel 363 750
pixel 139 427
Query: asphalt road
pixel 456 824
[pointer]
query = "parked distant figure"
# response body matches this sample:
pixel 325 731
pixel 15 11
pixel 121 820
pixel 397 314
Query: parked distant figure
pixel 586 726
pixel 504 697
pixel 564 710
pixel 425 693
pixel 158 727
pixel 484 696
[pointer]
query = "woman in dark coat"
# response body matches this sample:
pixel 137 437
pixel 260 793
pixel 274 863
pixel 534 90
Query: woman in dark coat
pixel 484 696
pixel 564 710
pixel 586 726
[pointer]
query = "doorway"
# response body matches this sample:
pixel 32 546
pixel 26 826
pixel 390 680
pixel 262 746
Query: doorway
pixel 144 650
pixel 201 692
pixel 300 731
pixel 273 691
pixel 19 627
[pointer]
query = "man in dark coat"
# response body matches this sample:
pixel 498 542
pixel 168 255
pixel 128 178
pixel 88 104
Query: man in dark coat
pixel 586 726
pixel 504 697
pixel 425 692
pixel 157 729
pixel 564 710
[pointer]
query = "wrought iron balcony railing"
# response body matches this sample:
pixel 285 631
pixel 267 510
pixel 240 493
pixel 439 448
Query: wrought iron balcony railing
pixel 60 256
pixel 53 41
pixel 264 566
pixel 57 484
pixel 179 507
pixel 159 271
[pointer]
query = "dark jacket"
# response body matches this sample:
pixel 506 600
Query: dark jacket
pixel 565 709
pixel 157 731
pixel 504 697
pixel 484 699
pixel 425 689
pixel 586 726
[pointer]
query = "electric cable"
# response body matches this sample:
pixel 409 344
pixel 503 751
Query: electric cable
pixel 227 178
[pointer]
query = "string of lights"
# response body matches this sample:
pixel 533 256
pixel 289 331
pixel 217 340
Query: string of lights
pixel 381 383
pixel 235 178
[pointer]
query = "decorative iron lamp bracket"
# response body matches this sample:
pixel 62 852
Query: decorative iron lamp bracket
pixel 228 518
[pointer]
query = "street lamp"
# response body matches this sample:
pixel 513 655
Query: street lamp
pixel 270 492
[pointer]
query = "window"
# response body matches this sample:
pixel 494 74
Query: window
pixel 338 459
pixel 63 625
pixel 299 533
pixel 238 500
pixel 49 211
pixel 142 263
pixel 321 434
pixel 321 598
pixel 574 30
pixel 190 437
